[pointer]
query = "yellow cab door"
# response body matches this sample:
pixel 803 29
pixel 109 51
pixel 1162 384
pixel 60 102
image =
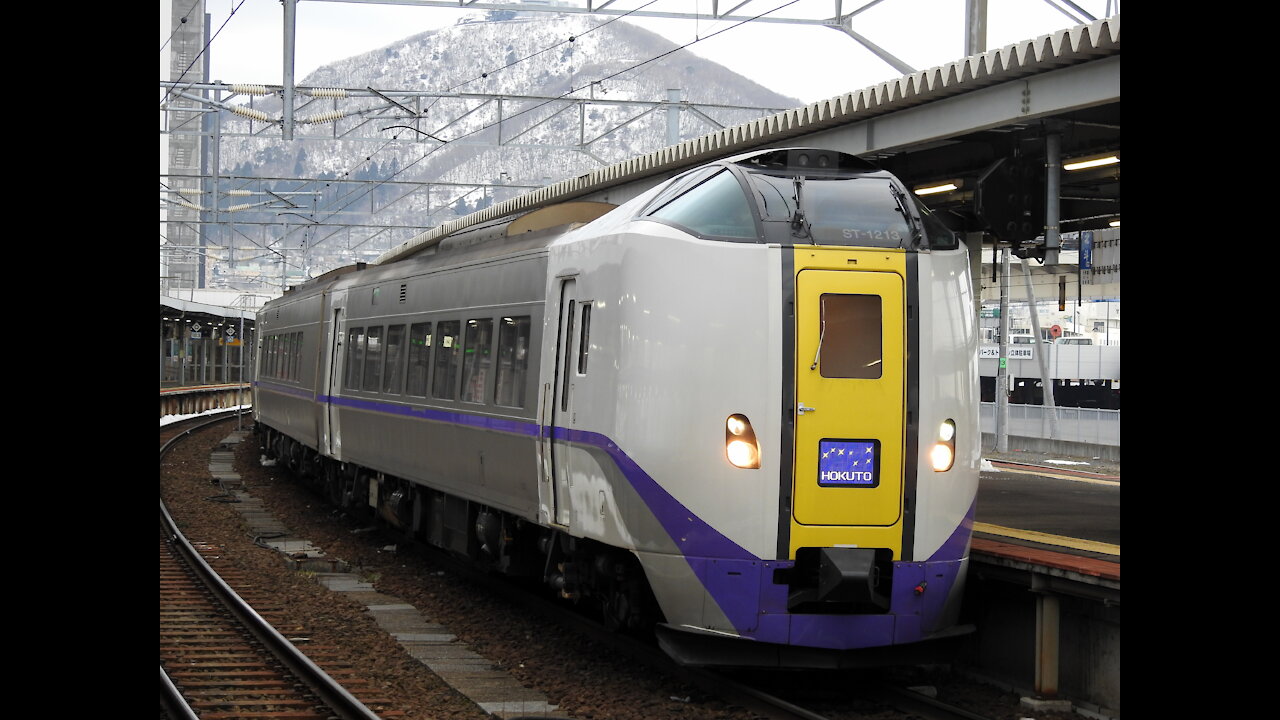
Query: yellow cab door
pixel 850 392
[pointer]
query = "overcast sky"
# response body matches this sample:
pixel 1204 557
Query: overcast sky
pixel 800 61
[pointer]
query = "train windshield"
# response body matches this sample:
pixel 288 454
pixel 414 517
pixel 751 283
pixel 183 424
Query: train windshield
pixel 715 207
pixel 865 210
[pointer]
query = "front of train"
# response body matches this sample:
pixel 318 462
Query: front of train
pixel 796 407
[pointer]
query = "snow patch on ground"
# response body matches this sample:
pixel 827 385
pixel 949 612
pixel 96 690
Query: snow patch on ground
pixel 169 419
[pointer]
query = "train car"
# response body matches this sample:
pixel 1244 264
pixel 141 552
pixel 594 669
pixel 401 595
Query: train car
pixel 742 405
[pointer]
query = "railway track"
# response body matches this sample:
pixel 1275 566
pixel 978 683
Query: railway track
pixel 221 656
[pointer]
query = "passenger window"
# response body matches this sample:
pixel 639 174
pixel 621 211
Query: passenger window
pixel 568 345
pixel 373 359
pixel 444 382
pixel 584 339
pixel 419 357
pixel 286 356
pixel 513 361
pixel 393 374
pixel 717 207
pixel 476 360
pixel 282 356
pixel 355 357
pixel 851 345
pixel 286 366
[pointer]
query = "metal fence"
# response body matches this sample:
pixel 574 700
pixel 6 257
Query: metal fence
pixel 1090 426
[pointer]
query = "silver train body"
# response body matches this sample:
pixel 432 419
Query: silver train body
pixel 743 405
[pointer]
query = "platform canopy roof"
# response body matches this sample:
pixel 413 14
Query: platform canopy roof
pixel 185 310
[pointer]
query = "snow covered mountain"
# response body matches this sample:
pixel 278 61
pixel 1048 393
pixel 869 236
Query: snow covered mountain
pixel 380 183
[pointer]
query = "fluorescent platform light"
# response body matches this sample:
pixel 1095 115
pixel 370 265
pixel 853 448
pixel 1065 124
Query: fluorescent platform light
pixel 1092 162
pixel 933 189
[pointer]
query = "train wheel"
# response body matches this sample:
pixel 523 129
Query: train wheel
pixel 616 609
pixel 333 483
pixel 624 595
pixel 294 456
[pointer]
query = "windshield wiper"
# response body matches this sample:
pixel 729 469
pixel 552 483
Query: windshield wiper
pixel 900 198
pixel 800 227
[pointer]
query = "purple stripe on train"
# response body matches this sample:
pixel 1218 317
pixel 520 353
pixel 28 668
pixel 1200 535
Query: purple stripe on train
pixel 483 422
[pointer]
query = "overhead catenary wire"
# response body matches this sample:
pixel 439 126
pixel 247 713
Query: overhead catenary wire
pixel 389 143
pixel 513 63
pixel 330 117
pixel 563 95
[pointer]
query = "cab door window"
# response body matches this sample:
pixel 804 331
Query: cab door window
pixel 850 344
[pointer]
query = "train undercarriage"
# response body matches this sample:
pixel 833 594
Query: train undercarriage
pixel 603 579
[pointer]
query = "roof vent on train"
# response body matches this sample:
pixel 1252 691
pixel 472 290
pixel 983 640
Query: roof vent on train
pixel 806 160
pixel 563 214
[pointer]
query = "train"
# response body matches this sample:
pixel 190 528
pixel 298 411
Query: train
pixel 739 408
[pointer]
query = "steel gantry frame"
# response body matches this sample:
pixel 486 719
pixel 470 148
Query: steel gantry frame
pixel 207 196
pixel 406 106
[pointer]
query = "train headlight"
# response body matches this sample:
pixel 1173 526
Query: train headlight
pixel 740 446
pixel 947 431
pixel 943 454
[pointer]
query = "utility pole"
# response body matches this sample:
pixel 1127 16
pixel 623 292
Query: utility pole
pixel 240 392
pixel 290 32
pixel 975 27
pixel 1041 353
pixel 1053 181
pixel 1002 370
pixel 673 116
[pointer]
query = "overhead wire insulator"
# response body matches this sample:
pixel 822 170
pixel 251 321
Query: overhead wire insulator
pixel 323 117
pixel 245 206
pixel 251 113
pixel 240 193
pixel 250 89
pixel 324 92
pixel 191 206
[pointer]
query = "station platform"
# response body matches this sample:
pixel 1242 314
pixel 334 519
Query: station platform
pixel 1044 580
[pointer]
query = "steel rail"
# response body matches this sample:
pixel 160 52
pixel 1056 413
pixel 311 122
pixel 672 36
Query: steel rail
pixel 336 697
pixel 171 701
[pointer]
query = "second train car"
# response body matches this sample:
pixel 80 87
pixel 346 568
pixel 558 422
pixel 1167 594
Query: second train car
pixel 742 405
